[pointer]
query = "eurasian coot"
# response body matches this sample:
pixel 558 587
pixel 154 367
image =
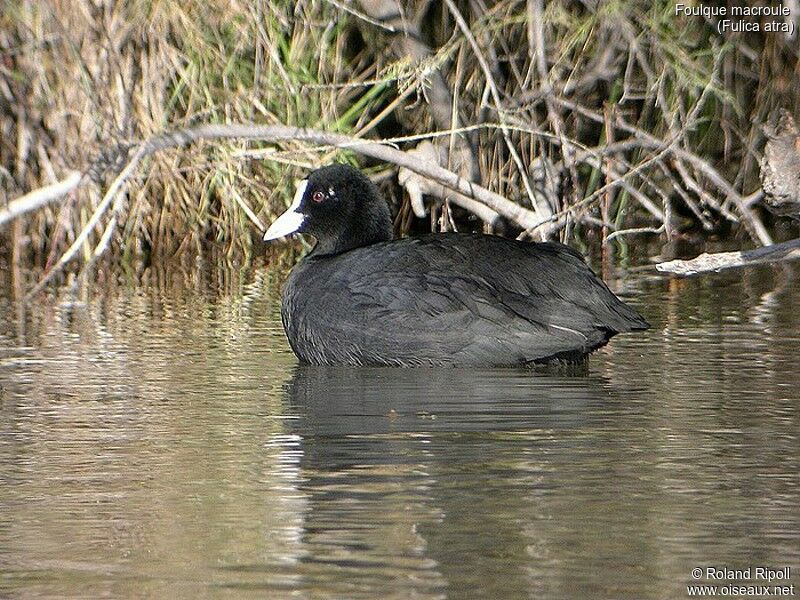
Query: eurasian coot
pixel 449 299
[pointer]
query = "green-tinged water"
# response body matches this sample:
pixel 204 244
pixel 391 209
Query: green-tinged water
pixel 167 444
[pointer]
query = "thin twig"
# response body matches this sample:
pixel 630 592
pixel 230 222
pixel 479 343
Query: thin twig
pixel 633 230
pixel 704 196
pixel 362 16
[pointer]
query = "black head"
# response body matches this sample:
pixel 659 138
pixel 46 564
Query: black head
pixel 340 207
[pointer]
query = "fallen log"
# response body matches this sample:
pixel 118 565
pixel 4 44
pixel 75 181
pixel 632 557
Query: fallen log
pixel 706 263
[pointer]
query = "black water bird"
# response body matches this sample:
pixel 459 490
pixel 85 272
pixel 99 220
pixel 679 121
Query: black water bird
pixel 450 299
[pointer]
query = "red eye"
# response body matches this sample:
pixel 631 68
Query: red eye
pixel 318 196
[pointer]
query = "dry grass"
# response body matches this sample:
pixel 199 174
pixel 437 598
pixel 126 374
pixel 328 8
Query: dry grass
pixel 78 80
pixel 621 108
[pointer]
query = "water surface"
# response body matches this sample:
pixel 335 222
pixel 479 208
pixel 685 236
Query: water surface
pixel 164 442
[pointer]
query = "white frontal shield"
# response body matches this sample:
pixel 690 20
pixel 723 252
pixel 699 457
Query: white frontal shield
pixel 290 221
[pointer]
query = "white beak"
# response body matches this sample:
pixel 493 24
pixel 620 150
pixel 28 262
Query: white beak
pixel 290 221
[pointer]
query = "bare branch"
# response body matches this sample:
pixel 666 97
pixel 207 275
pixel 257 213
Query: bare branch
pixel 93 220
pixel 523 217
pixel 38 198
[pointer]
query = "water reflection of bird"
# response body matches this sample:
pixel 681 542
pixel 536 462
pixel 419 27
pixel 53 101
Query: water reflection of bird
pixel 360 298
pixel 345 400
pixel 447 479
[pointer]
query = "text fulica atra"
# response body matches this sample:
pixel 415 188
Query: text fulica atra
pixel 449 299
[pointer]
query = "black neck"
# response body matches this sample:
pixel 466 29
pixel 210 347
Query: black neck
pixel 355 236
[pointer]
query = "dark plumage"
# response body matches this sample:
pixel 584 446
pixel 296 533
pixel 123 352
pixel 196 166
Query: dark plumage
pixel 443 299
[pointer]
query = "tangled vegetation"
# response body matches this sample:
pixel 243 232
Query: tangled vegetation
pixel 608 119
